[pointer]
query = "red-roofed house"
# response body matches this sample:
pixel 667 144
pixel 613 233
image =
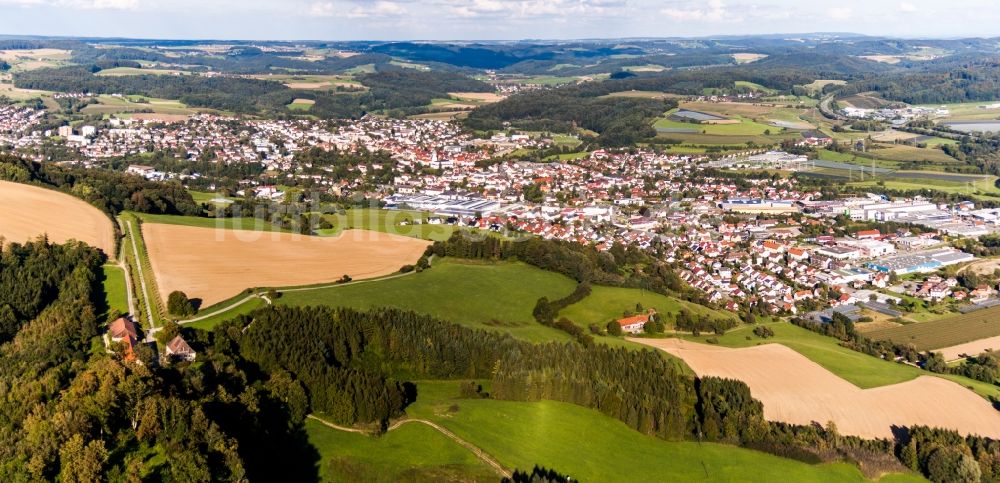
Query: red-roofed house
pixel 634 324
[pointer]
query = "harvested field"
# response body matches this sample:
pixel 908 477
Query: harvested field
pixel 486 97
pixel 973 348
pixel 946 332
pixel 216 264
pixel 160 117
pixel 30 211
pixel 796 390
pixel 308 85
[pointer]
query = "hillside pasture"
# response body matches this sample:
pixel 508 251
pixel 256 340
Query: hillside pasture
pixel 796 390
pixel 30 211
pixel 489 296
pixel 573 440
pixel 946 332
pixel 818 85
pixel 216 264
pixel 605 304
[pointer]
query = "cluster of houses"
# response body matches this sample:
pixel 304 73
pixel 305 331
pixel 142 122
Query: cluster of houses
pixel 124 332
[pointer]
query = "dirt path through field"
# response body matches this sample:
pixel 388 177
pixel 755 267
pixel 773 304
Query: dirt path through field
pixel 482 455
pixel 27 212
pixel 214 265
pixel 796 390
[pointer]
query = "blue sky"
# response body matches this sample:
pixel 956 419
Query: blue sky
pixel 492 19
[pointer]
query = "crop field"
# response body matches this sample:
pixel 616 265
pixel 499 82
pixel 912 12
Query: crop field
pixel 605 304
pixel 125 71
pixel 797 390
pixel 480 97
pixel 745 127
pixel 301 104
pixel 32 59
pixel 744 58
pixel 130 105
pixel 29 212
pixel 523 434
pixel 855 367
pixel 490 296
pixel 902 152
pixel 946 332
pixel 213 265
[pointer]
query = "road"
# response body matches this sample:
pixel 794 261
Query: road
pixel 482 455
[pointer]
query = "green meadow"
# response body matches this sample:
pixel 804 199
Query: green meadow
pixel 491 296
pixel 605 304
pixel 115 290
pixel 580 442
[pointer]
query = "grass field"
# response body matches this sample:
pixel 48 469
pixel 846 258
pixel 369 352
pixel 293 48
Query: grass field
pixel 857 368
pixel 254 224
pixel 817 86
pixel 210 322
pixel 605 304
pixel 592 447
pixel 115 291
pixel 746 127
pixel 388 221
pixel 945 332
pixel 413 452
pixel 985 188
pixel 488 296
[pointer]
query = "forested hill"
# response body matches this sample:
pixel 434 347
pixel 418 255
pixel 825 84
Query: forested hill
pixel 406 90
pixel 619 121
pixel 951 81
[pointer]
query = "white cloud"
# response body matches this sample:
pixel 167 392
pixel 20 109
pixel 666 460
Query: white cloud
pixel 713 11
pixel 840 13
pixel 77 4
pixel 907 7
pixel 381 8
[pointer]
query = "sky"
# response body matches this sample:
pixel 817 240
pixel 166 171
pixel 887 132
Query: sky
pixel 492 19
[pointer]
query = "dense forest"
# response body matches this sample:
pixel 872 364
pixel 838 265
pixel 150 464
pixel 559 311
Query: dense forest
pixel 110 191
pixel 619 121
pixel 952 82
pixel 389 89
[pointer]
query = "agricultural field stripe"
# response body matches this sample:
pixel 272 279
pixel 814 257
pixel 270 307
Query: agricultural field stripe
pixel 142 277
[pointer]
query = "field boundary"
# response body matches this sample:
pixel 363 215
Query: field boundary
pixel 479 453
pixel 262 292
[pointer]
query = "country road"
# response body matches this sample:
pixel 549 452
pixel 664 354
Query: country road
pixel 482 455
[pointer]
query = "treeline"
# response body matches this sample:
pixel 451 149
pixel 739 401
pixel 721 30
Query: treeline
pixel 618 267
pixel 111 192
pixel 641 388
